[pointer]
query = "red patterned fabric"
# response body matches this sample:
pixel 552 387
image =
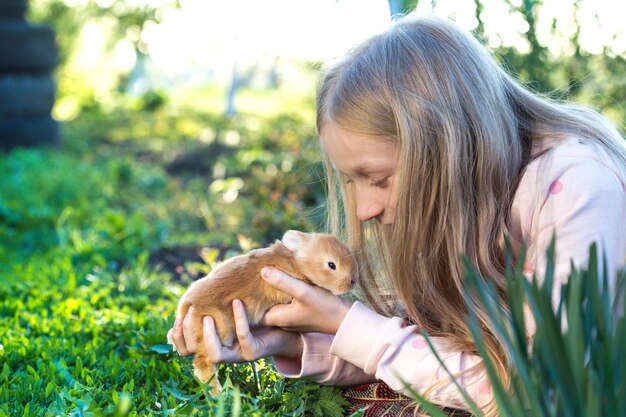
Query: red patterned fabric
pixel 378 400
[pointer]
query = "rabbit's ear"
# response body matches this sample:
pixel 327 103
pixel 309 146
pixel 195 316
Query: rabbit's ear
pixel 294 239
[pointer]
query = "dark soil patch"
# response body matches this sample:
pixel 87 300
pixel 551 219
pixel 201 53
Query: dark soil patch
pixel 173 260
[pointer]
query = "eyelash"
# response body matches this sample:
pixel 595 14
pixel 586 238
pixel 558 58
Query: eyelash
pixel 380 184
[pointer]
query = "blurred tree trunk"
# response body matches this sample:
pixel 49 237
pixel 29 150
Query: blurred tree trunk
pixel 232 91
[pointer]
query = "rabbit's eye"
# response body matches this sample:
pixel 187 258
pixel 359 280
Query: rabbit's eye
pixel 332 265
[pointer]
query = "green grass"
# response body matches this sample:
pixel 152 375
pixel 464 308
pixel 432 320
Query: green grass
pixel 98 242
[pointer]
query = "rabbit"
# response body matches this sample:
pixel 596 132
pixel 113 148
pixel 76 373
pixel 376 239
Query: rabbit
pixel 318 259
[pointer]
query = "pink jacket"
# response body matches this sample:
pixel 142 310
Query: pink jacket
pixel 570 191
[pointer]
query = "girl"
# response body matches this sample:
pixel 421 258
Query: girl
pixel 432 151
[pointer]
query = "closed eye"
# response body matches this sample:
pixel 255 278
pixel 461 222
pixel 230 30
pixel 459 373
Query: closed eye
pixel 384 183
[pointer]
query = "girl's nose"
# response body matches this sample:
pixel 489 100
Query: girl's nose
pixel 367 208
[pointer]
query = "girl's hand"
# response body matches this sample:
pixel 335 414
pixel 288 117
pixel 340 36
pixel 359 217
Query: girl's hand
pixel 181 335
pixel 251 345
pixel 312 309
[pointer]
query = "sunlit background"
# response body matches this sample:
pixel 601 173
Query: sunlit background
pixel 268 44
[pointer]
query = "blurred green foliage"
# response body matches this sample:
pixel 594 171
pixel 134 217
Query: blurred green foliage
pixel 591 79
pixel 119 21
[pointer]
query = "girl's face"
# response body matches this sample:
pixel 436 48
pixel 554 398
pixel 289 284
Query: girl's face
pixel 369 164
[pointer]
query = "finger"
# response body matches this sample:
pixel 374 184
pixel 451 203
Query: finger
pixel 188 333
pixel 211 340
pixel 242 328
pixel 292 286
pixel 215 351
pixel 277 316
pixel 175 336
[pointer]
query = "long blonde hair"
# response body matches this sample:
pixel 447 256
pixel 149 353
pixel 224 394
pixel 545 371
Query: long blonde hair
pixel 464 130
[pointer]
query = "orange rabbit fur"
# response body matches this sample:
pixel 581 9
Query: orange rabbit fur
pixel 318 259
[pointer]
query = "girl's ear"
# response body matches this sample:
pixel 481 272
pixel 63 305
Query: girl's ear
pixel 294 239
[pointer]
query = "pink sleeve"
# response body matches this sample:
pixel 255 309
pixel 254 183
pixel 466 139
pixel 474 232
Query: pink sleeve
pixel 371 347
pixel 583 201
pixel 318 364
pixel 398 355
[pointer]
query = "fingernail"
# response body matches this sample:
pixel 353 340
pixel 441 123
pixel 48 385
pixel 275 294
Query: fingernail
pixel 207 320
pixel 265 272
